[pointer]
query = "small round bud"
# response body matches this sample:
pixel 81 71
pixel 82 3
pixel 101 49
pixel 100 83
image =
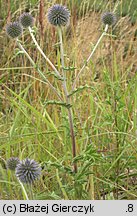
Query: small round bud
pixel 109 18
pixel 26 20
pixel 28 171
pixel 12 163
pixel 14 29
pixel 58 15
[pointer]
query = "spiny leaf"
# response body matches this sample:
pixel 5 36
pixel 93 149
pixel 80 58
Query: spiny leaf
pixel 53 102
pixel 81 88
pixel 52 73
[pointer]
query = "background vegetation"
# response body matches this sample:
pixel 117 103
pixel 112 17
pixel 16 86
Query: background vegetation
pixel 104 104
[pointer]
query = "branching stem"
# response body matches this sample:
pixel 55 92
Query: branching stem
pixel 38 70
pixel 43 54
pixel 90 56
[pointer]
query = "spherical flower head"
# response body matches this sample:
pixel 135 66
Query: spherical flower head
pixel 58 15
pixel 109 18
pixel 28 171
pixel 14 29
pixel 26 20
pixel 12 163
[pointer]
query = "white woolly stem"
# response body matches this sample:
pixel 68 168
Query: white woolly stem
pixel 43 54
pixel 62 62
pixel 88 59
pixel 38 70
pixel 23 189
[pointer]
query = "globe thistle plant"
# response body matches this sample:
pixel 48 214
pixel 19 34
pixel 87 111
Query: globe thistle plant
pixel 109 18
pixel 14 29
pixel 58 15
pixel 26 20
pixel 27 171
pixel 12 163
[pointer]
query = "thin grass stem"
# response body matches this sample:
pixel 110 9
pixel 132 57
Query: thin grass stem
pixel 61 186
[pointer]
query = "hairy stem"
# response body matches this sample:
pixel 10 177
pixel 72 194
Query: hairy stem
pixel 90 56
pixel 43 54
pixel 38 70
pixel 67 99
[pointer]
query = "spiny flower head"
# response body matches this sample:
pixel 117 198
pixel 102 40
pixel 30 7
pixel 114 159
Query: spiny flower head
pixel 26 20
pixel 58 15
pixel 14 29
pixel 12 163
pixel 28 171
pixel 109 18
